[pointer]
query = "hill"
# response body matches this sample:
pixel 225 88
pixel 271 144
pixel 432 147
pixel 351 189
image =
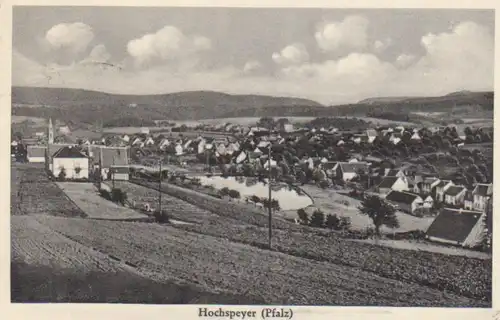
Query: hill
pixel 89 107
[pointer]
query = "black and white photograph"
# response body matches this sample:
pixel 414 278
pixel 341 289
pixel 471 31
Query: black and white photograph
pixel 252 156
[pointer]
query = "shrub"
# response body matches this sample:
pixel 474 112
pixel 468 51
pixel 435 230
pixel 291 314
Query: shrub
pixel 317 219
pixel 118 195
pixel 224 191
pixel 161 216
pixel 62 174
pixel 235 194
pixel 332 221
pixel 105 194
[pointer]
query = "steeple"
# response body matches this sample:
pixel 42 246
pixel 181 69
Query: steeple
pixel 51 132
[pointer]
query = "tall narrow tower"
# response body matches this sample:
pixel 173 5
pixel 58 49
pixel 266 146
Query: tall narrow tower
pixel 51 132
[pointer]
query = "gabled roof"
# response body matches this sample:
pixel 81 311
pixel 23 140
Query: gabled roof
pixel 469 196
pixel 55 147
pixel 110 156
pixel 353 166
pixel 388 182
pixel 69 152
pixel 402 197
pixel 454 190
pixel 484 190
pixel 442 183
pixel 393 172
pixel 430 180
pixel 453 225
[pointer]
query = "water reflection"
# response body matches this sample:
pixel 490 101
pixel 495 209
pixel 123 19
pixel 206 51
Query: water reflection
pixel 289 198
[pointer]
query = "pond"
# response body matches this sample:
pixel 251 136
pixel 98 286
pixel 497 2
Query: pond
pixel 288 198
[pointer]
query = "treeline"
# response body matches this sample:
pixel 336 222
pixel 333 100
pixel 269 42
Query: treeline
pixel 339 123
pixel 128 122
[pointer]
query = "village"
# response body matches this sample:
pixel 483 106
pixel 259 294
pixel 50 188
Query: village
pixel 440 185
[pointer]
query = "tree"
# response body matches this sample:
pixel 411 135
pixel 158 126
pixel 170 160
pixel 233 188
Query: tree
pixel 303 217
pixel 266 122
pixel 317 219
pixel 275 205
pixel 62 174
pixel 332 222
pixel 224 191
pixel 380 212
pixel 235 194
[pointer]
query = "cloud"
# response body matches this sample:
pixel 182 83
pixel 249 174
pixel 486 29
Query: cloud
pixel 252 66
pixel 98 54
pixel 403 60
pixel 380 46
pixel 291 54
pixel 350 33
pixel 73 36
pixel 167 44
pixel 461 58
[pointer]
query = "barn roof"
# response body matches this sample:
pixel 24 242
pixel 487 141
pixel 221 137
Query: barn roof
pixel 69 152
pixel 454 190
pixel 388 182
pixel 453 225
pixel 483 190
pixel 402 197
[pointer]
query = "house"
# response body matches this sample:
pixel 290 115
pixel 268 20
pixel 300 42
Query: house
pixel 394 173
pixel 111 160
pixel 428 202
pixel 458 227
pixel 469 200
pixel 389 184
pixel 482 193
pixel 137 142
pixel 428 184
pixel 371 134
pixel 36 154
pixel 50 151
pixel 347 171
pixel 441 187
pixel 405 201
pixel 415 136
pixel 145 130
pixel 72 162
pixel 454 195
pixel 149 141
pixel 179 150
pixel 164 144
pixel 126 138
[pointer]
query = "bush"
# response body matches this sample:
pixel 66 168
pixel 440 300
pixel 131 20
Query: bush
pixel 317 219
pixel 105 194
pixel 161 217
pixel 62 174
pixel 235 194
pixel 332 221
pixel 118 195
pixel 224 191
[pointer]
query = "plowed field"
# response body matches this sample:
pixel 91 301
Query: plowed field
pixel 162 253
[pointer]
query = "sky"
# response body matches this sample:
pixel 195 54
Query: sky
pixel 332 56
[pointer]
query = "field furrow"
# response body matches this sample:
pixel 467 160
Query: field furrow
pixel 165 253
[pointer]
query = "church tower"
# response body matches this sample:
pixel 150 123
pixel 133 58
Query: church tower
pixel 51 132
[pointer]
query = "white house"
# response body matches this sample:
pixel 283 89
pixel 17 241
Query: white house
pixel 389 184
pixel 149 141
pixel 145 130
pixel 137 142
pixel 468 200
pixel 415 136
pixel 454 195
pixel 482 193
pixel 179 150
pixel 458 227
pixel 441 187
pixel 126 138
pixel 428 202
pixel 405 201
pixel 349 170
pixel 72 161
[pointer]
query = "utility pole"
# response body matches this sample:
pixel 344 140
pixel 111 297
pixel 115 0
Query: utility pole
pixel 159 189
pixel 269 202
pixel 113 173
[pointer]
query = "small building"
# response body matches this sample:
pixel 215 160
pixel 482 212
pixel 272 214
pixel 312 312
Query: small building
pixel 389 184
pixel 145 130
pixel 454 195
pixel 405 201
pixel 110 159
pixel 349 170
pixel 72 162
pixel 482 193
pixel 458 227
pixel 441 187
pixel 468 200
pixel 428 184
pixel 36 154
